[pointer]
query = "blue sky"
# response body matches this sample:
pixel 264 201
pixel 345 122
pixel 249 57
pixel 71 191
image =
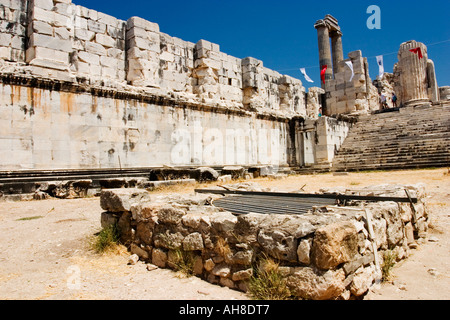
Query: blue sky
pixel 282 35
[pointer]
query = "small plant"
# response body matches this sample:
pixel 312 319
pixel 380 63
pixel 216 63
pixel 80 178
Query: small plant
pixel 183 262
pixel 106 239
pixel 223 249
pixel 389 259
pixel 267 282
pixel 354 183
pixel 30 218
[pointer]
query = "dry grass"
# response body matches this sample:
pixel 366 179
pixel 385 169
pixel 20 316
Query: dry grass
pixel 267 282
pixel 222 248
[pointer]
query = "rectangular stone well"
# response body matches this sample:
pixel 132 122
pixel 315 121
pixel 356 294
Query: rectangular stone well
pixel 332 253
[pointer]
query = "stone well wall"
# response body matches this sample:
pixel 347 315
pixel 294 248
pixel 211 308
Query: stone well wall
pixel 333 253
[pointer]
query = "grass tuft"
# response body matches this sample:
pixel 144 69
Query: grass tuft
pixel 30 218
pixel 107 239
pixel 389 259
pixel 183 262
pixel 267 282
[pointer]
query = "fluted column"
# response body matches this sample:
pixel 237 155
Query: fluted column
pixel 433 89
pixel 324 50
pixel 338 51
pixel 413 76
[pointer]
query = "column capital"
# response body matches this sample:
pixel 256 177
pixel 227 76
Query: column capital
pixel 320 24
pixel 335 33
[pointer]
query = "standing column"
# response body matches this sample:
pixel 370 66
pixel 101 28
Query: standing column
pixel 338 51
pixel 413 74
pixel 433 89
pixel 324 50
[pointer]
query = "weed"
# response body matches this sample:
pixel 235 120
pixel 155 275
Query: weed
pixel 389 259
pixel 267 282
pixel 106 239
pixel 30 218
pixel 182 261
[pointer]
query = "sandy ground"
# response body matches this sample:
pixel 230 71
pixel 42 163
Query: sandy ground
pixel 45 252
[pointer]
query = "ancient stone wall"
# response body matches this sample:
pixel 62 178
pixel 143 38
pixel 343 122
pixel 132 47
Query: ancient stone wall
pixel 82 89
pixel 333 253
pixel 57 129
pixel 13 30
pixel 61 40
pixel 319 140
pixel 347 95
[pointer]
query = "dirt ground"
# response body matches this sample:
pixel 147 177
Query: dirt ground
pixel 45 252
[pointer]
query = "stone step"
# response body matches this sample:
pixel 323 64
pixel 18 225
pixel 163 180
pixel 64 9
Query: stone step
pixel 354 161
pixel 372 164
pixel 411 137
pixel 394 148
pixel 348 159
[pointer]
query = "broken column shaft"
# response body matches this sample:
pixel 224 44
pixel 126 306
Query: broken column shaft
pixel 413 73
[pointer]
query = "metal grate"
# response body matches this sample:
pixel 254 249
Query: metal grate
pixel 245 204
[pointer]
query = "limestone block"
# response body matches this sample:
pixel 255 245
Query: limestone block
pixel 116 53
pixel 95 48
pixel 119 200
pixel 51 17
pixel 43 4
pixel 303 251
pixel 334 244
pixel 159 257
pixel 108 62
pixel 63 33
pixel 64 9
pixel 140 43
pixel 57 56
pixel 203 44
pixel 40 40
pixel 109 73
pixel 96 27
pixel 136 22
pixel 193 242
pixel 362 280
pixel 117 32
pixel 89 57
pixel 41 27
pixel 137 32
pixel 5 53
pixel 311 285
pixel 207 62
pixel 107 19
pixel 5 39
pixel 105 40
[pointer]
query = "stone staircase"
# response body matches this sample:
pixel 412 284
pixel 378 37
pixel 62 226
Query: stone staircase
pixel 412 137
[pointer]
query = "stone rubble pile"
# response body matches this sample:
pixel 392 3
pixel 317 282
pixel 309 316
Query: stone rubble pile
pixel 323 255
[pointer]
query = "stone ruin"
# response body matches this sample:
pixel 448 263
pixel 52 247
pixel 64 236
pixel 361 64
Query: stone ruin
pixel 413 80
pixel 82 90
pixel 84 94
pixel 331 252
